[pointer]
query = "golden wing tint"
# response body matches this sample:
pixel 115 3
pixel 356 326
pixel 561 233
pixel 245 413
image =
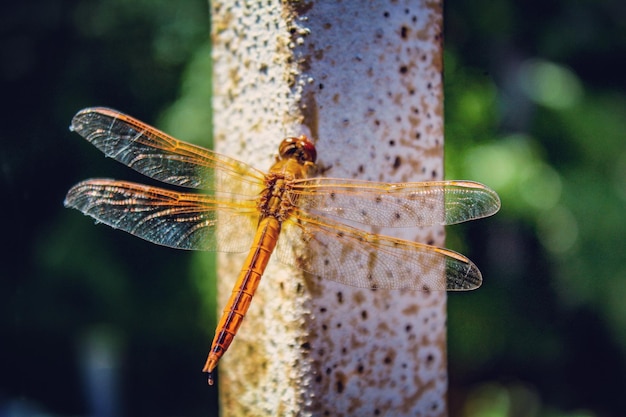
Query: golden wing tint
pixel 162 157
pixel 310 239
pixel 354 257
pixel 168 218
pixel 396 204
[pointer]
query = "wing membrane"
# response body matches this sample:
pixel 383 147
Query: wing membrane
pixel 162 157
pixel 396 205
pixel 177 220
pixel 354 257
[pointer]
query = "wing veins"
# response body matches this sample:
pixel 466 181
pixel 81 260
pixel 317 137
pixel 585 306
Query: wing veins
pixel 396 205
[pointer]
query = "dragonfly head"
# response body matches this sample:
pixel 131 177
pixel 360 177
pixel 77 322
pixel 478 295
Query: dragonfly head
pixel 299 148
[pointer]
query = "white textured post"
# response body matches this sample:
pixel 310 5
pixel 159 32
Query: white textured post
pixel 363 79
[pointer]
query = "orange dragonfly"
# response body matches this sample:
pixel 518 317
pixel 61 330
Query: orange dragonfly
pixel 307 221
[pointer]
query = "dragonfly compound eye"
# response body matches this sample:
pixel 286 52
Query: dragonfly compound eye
pixel 299 148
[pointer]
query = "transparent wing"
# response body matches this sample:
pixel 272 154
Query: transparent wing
pixel 396 205
pixel 354 257
pixel 168 218
pixel 162 157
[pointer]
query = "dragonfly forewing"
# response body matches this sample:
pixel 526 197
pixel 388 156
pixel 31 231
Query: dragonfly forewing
pixel 162 157
pixel 396 205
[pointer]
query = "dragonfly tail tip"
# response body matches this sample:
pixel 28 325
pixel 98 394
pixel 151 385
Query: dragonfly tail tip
pixel 209 367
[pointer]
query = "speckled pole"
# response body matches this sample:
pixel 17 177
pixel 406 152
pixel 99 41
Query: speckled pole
pixel 363 79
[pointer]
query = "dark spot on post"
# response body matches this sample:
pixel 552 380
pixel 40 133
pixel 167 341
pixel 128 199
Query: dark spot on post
pixel 322 309
pixel 364 314
pixel 397 162
pixel 340 297
pixel 404 69
pixel 360 369
pixel 340 387
pixel 361 169
pixel 387 360
pixel 378 199
pixel 376 412
pixel 326 262
pixel 386 14
pixel 324 327
pixel 392 142
pixel 430 358
pixel 403 32
pixel 318 379
pixel 418 135
pixel 340 234
pixel 332 196
pixel 320 86
pixel 306 346
pixel 408 328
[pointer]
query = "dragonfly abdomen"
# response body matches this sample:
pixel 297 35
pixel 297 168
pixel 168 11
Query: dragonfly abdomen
pixel 245 287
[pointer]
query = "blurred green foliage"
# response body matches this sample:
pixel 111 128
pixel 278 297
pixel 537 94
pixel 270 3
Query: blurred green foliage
pixel 535 108
pixel 78 299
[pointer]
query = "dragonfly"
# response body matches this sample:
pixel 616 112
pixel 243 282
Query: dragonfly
pixel 317 224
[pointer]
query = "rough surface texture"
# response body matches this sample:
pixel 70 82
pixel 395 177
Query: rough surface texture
pixel 363 79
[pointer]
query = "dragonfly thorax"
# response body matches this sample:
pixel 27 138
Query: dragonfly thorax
pixel 275 200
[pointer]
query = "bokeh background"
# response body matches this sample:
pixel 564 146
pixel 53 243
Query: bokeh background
pixel 97 322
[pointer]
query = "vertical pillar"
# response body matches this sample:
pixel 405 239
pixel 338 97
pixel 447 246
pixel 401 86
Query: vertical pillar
pixel 364 80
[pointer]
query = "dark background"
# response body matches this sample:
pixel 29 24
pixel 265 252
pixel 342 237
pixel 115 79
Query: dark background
pixel 535 107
